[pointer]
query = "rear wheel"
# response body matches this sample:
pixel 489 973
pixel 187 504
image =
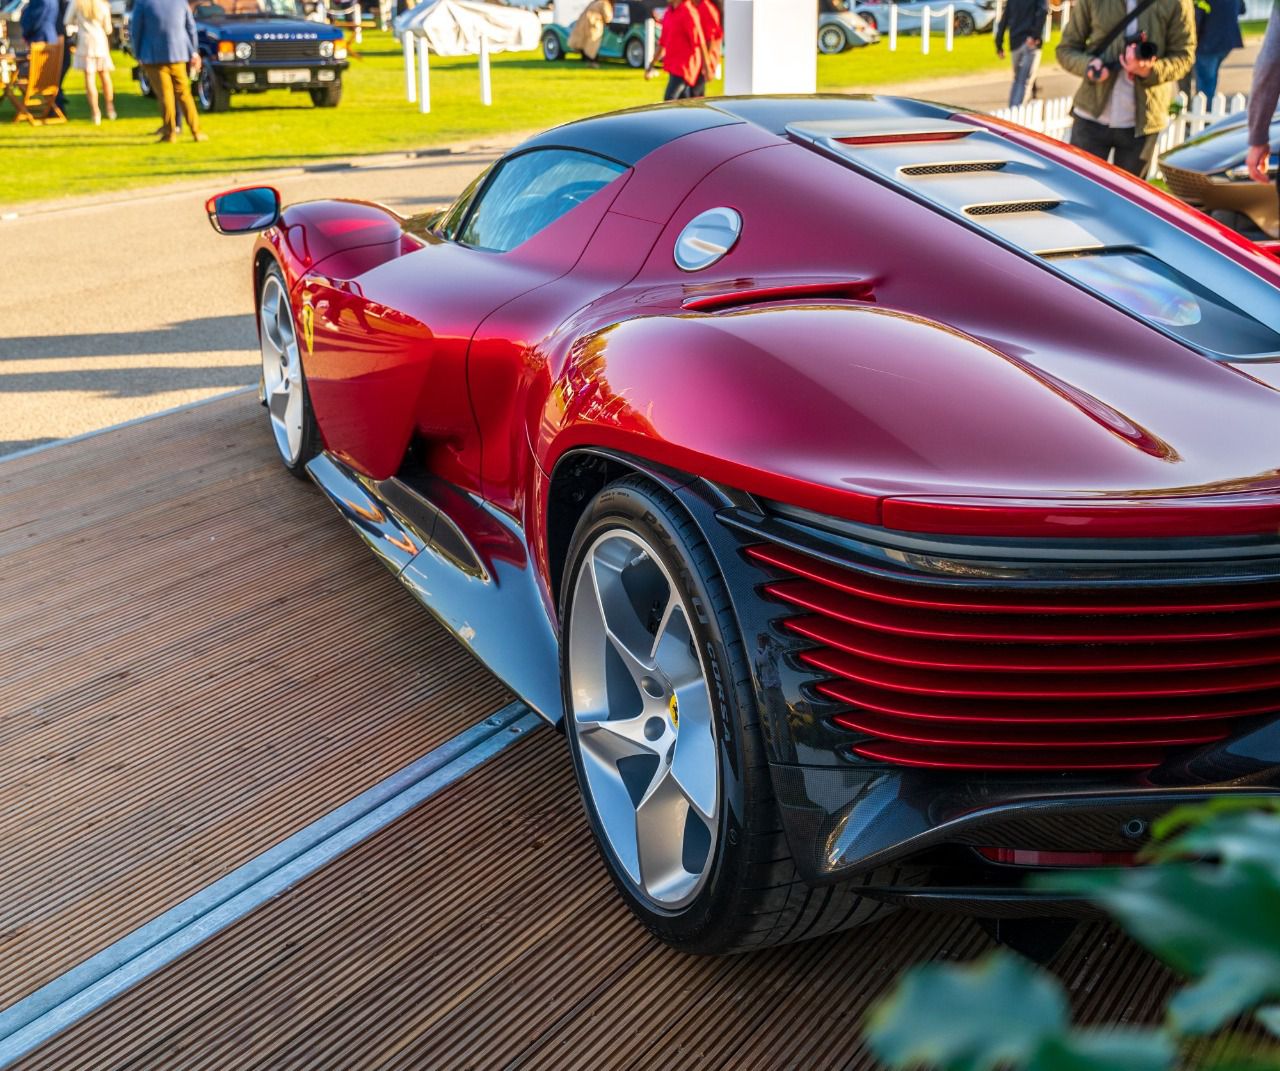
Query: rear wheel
pixel 831 39
pixel 665 737
pixel 552 49
pixel 327 96
pixel 635 53
pixel 283 386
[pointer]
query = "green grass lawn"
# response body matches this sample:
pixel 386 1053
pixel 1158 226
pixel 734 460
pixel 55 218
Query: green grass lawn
pixel 280 128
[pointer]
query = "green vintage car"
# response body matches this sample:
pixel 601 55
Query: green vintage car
pixel 623 39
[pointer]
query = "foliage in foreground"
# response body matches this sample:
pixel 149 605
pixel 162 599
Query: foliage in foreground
pixel 1208 905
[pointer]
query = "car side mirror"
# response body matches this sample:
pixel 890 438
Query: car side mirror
pixel 253 208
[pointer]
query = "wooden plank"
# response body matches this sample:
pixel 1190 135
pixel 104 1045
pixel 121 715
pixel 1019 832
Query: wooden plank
pixel 197 658
pixel 482 931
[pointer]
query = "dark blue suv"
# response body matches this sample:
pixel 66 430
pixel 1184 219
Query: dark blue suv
pixel 251 46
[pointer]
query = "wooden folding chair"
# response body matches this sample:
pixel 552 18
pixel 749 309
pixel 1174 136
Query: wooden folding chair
pixel 40 98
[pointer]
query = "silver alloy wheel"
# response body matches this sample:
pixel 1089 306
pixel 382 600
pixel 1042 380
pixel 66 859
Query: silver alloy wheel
pixel 281 370
pixel 642 716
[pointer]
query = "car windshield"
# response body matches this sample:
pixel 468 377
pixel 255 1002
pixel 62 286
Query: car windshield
pixel 208 9
pixel 1160 293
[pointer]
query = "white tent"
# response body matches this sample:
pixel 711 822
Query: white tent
pixel 460 28
pixel 465 27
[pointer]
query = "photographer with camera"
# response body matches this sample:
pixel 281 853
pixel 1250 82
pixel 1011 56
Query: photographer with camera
pixel 1130 55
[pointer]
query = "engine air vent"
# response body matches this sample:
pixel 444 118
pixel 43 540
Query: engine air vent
pixel 1003 208
pixel 957 167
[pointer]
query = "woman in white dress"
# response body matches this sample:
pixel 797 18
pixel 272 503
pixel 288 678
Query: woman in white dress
pixel 92 19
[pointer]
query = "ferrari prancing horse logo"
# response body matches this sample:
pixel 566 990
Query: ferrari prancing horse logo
pixel 308 324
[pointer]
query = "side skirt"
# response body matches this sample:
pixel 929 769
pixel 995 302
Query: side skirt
pixel 467 564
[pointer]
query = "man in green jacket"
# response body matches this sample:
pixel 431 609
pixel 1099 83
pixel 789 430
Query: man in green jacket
pixel 1123 101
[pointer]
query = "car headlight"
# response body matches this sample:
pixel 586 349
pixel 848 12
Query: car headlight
pixel 244 50
pixel 326 49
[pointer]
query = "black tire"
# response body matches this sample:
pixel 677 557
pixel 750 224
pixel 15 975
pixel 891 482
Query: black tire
pixel 753 897
pixel 552 49
pixel 311 442
pixel 211 92
pixel 328 96
pixel 831 40
pixel 635 53
pixel 964 25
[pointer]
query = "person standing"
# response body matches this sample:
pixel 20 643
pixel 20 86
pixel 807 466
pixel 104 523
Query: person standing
pixel 1025 21
pixel 163 34
pixel 42 23
pixel 588 32
pixel 1127 83
pixel 1263 96
pixel 93 54
pixel 681 51
pixel 712 23
pixel 1217 33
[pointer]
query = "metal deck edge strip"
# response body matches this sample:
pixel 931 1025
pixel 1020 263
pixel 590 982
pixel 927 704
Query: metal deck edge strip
pixel 39 447
pixel 87 987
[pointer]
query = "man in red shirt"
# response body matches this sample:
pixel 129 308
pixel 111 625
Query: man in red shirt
pixel 682 50
pixel 713 32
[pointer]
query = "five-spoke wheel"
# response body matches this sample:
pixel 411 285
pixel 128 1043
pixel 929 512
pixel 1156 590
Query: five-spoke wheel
pixel 283 387
pixel 643 719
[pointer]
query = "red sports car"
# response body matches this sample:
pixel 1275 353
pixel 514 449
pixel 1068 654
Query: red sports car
pixel 886 500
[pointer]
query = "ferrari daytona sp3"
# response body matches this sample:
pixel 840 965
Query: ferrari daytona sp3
pixel 884 500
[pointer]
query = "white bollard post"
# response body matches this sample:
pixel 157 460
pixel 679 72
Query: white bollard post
pixel 649 44
pixel 1064 14
pixel 424 77
pixel 950 15
pixel 410 79
pixel 893 27
pixel 486 86
pixel 926 17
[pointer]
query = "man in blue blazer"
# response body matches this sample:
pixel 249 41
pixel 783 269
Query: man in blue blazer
pixel 41 22
pixel 163 36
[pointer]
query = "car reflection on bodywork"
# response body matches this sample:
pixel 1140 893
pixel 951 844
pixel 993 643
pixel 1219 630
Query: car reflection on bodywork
pixel 1209 172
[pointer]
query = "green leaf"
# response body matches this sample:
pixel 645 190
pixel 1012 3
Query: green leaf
pixel 1242 837
pixel 1105 1050
pixel 1270 1018
pixel 1195 917
pixel 968 1017
pixel 1232 985
pixel 1194 815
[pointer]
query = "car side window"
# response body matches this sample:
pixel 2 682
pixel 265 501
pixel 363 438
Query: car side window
pixel 451 221
pixel 530 192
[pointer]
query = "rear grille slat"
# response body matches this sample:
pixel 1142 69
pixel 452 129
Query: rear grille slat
pixel 1000 678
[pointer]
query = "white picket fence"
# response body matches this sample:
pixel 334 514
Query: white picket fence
pixel 1053 117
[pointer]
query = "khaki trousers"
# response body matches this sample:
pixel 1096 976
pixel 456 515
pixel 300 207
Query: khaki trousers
pixel 168 79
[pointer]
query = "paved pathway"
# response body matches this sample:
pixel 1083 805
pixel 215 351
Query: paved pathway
pixel 173 322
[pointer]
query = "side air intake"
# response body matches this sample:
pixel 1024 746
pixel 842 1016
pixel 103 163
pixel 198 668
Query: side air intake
pixel 955 167
pixel 1003 208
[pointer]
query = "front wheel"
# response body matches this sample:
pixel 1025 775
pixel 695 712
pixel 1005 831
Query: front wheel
pixel 831 40
pixel 283 387
pixel 211 94
pixel 964 25
pixel 552 49
pixel 327 96
pixel 665 736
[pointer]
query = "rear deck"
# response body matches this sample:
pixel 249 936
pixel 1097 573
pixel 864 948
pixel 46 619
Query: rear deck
pixel 198 660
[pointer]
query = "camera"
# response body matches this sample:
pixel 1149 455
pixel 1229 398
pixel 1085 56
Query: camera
pixel 1143 48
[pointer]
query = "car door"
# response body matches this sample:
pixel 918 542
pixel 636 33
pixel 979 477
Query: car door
pixel 389 348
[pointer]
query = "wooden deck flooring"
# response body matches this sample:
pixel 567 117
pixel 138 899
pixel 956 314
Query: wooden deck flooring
pixel 197 657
